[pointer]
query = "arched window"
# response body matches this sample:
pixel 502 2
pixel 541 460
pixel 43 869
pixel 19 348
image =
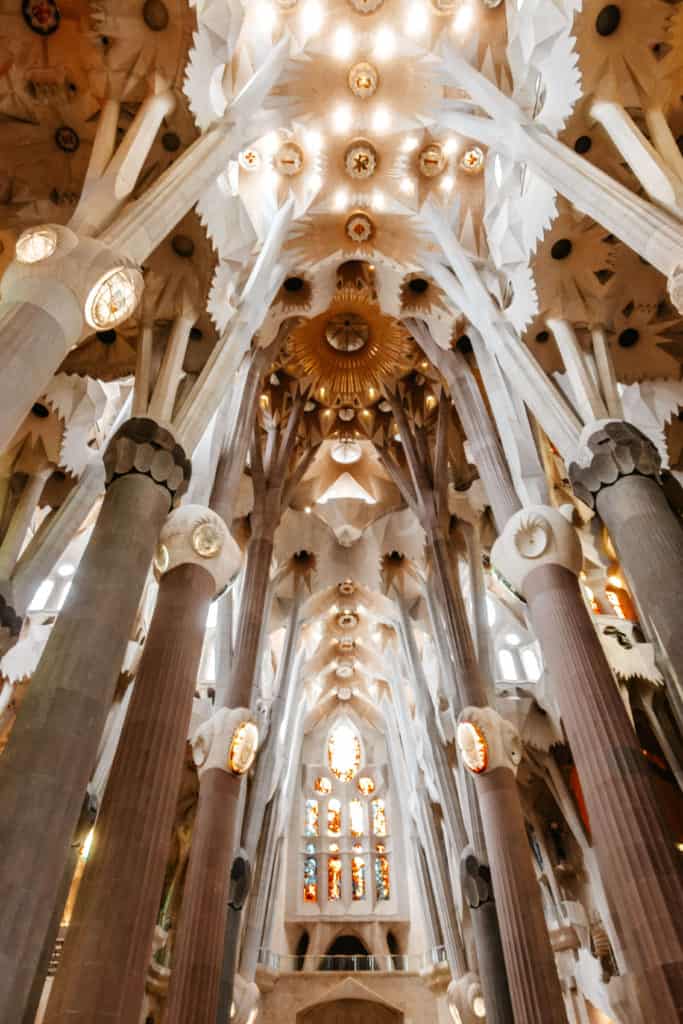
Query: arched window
pixel 531 664
pixel 508 668
pixel 310 875
pixel 358 884
pixel 344 751
pixel 382 880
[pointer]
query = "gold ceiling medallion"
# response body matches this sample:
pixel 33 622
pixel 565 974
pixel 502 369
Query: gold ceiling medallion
pixel 363 80
pixel 472 160
pixel 360 160
pixel 432 160
pixel 359 228
pixel 289 159
pixel 445 6
pixel 366 6
pixel 349 349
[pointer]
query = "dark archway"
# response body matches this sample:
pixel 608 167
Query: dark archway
pixel 350 1011
pixel 347 953
pixel 301 950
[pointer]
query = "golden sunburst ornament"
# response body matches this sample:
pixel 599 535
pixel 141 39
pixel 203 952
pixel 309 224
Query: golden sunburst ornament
pixel 350 348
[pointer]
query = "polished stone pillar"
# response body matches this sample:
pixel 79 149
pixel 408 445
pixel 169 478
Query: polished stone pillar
pixel 617 474
pixel 529 960
pixel 51 751
pixel 541 555
pixel 109 942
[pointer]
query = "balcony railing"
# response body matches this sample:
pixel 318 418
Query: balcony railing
pixel 415 962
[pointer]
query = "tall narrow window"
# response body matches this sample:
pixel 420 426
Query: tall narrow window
pixel 310 875
pixel 311 825
pixel 382 881
pixel 334 875
pixel 343 751
pixel 506 661
pixel 358 884
pixel 334 818
pixel 356 818
pixel 379 818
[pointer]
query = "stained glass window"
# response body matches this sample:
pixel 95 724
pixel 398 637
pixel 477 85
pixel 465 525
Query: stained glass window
pixel 310 875
pixel 334 875
pixel 321 784
pixel 366 785
pixel 311 825
pixel 379 818
pixel 382 882
pixel 356 818
pixel 358 873
pixel 334 818
pixel 343 752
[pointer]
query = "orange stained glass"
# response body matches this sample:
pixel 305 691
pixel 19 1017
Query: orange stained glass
pixel 366 785
pixel 311 824
pixel 379 817
pixel 382 881
pixel 310 876
pixel 343 752
pixel 334 818
pixel 356 818
pixel 334 878
pixel 358 886
pixel 322 785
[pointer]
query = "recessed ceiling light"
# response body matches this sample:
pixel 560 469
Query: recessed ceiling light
pixel 407 186
pixel 409 144
pixel 385 44
pixel 341 199
pixel 417 20
pixel 342 118
pixel 463 19
pixel 343 42
pixel 381 120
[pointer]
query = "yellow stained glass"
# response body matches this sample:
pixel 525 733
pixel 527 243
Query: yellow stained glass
pixel 334 820
pixel 334 878
pixel 358 874
pixel 366 785
pixel 356 818
pixel 311 825
pixel 322 785
pixel 343 752
pixel 382 881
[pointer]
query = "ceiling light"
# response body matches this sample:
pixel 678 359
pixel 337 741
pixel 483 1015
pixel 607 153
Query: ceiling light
pixel 343 43
pixel 381 120
pixel 315 182
pixel 307 510
pixel 450 146
pixel 342 119
pixel 347 452
pixel 463 19
pixel 341 199
pixel 313 140
pixel 266 16
pixel 417 21
pixel 378 200
pixel 513 639
pixel 407 186
pixel 479 1007
pixel 385 44
pixel 66 569
pixel 409 144
pixel 446 183
pixel 312 17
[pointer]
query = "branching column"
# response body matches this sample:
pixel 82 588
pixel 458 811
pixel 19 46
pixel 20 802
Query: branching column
pixel 194 988
pixel 617 474
pixel 109 941
pixel 532 977
pixel 540 554
pixel 51 752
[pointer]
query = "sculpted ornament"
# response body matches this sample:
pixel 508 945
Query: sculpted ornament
pixel 675 287
pixel 229 741
pixel 487 741
pixel 534 536
pixel 195 535
pixel 609 450
pixel 466 999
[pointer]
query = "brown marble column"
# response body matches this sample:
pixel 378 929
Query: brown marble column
pixel 109 941
pixel 540 554
pixel 618 475
pixel 51 751
pixel 635 856
pixel 532 974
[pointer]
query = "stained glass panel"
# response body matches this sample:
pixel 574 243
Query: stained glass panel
pixel 343 752
pixel 379 818
pixel 334 818
pixel 311 823
pixel 358 886
pixel 322 785
pixel 356 818
pixel 382 881
pixel 310 876
pixel 334 876
pixel 366 785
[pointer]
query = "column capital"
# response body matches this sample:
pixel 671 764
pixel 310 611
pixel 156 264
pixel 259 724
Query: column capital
pixel 196 535
pixel 141 445
pixel 535 536
pixel 487 741
pixel 228 741
pixel 609 450
pixel 465 995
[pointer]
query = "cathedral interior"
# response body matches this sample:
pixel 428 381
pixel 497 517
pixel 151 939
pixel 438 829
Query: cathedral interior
pixel 341 487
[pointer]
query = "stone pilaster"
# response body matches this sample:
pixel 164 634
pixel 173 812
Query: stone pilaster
pixel 617 474
pixel 492 751
pixel 109 943
pixel 539 553
pixel 51 751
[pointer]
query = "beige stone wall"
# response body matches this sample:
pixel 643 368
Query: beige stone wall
pixel 406 993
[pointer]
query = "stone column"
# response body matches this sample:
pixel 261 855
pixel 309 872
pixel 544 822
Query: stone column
pixel 491 751
pixel 109 941
pixel 224 748
pixel 617 474
pixel 540 554
pixel 46 296
pixel 51 752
